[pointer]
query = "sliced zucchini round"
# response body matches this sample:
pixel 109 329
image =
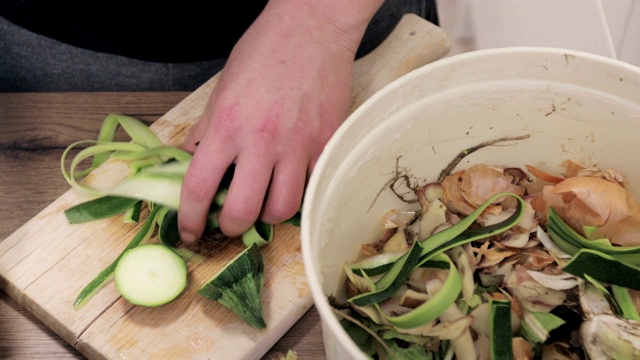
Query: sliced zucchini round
pixel 150 275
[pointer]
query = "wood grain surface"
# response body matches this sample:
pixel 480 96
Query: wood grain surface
pixel 44 261
pixel 36 129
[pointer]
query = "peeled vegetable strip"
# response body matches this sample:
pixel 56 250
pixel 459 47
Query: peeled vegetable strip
pixel 431 309
pixel 456 235
pixel 92 151
pixel 164 190
pixel 437 240
pixel 625 302
pixel 571 241
pixel 100 208
pixel 396 276
pixel 259 234
pixel 604 268
pixel 139 133
pixel 165 151
pixel 500 330
pixel 143 151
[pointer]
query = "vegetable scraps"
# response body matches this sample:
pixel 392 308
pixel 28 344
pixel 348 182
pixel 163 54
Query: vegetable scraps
pixel 153 183
pixel 500 262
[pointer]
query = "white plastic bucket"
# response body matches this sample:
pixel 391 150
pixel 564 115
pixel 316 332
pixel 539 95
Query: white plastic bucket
pixel 574 105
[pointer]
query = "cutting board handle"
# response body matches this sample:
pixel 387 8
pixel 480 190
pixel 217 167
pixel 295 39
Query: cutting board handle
pixel 414 42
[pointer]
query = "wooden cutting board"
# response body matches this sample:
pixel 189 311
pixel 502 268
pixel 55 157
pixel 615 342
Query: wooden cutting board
pixel 46 262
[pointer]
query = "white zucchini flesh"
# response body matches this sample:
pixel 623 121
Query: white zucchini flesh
pixel 150 275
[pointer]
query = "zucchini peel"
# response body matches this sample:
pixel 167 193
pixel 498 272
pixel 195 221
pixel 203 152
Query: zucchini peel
pixel 238 286
pixel 422 252
pixel 436 305
pixel 604 268
pixel 500 330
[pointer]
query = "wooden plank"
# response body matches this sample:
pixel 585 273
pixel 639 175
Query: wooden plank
pixel 30 148
pixel 21 335
pixel 45 262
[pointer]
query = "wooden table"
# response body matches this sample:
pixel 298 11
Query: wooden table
pixel 36 128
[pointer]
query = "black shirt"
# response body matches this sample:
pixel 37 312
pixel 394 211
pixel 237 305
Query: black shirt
pixel 152 30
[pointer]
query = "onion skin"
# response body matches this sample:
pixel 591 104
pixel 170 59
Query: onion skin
pixel 465 190
pixel 480 182
pixel 591 201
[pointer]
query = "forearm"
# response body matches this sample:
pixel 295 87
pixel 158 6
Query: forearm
pixel 336 24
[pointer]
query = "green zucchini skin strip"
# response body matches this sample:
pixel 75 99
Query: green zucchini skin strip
pixel 500 330
pixel 295 220
pixel 605 268
pixel 99 208
pixel 138 131
pixel 571 241
pixel 238 286
pixel 434 307
pixel 142 235
pixel 132 215
pixel 373 266
pixel 456 235
pixel 71 176
pixel 163 190
pixel 260 234
pixel 476 234
pixel 625 303
pixel 399 271
pixel 535 326
pixel 168 229
pixel 435 242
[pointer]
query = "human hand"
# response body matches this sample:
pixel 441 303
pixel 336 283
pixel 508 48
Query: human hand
pixel 285 89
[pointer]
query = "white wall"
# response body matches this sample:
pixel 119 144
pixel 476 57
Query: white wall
pixel 606 27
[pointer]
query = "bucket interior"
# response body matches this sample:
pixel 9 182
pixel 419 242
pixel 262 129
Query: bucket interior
pixel 572 105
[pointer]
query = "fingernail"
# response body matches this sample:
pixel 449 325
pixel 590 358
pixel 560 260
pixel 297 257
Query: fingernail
pixel 188 237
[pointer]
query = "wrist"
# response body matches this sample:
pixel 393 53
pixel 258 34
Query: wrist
pixel 338 24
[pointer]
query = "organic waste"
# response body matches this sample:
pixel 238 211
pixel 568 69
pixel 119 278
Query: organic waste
pixel 152 187
pixel 501 262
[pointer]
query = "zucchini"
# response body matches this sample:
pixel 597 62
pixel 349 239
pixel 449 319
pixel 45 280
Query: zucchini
pixel 150 275
pixel 625 303
pixel 500 330
pixel 375 265
pixel 536 326
pixel 142 235
pixel 168 229
pixel 260 234
pixel 132 215
pixel 397 275
pixel 435 306
pixel 238 286
pixel 570 241
pixel 604 268
pixel 99 208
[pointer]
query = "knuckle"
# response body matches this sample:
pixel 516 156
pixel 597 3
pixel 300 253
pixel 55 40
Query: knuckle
pixel 241 212
pixel 235 220
pixel 277 212
pixel 196 187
